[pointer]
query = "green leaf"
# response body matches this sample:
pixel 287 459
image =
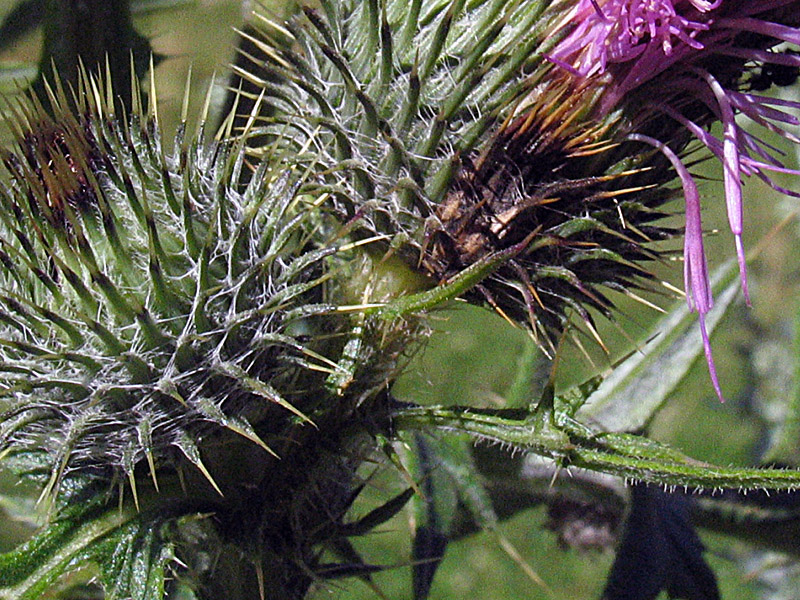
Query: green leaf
pixel 89 531
pixel 785 445
pixel 133 559
pixel 31 569
pixel 130 549
pixel 448 480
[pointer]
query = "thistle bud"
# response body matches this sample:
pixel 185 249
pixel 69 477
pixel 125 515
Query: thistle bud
pixel 150 303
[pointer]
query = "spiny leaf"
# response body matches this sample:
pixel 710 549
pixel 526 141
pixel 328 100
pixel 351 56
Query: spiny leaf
pixel 28 571
pixel 131 550
pixel 133 559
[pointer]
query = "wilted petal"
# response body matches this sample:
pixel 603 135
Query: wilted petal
pixel 695 269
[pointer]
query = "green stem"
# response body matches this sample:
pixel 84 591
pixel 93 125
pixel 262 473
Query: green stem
pixel 624 455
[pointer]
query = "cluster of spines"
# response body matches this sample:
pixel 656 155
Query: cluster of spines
pixel 389 112
pixel 148 299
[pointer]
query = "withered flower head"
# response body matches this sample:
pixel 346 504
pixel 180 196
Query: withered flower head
pixel 548 135
pixel 555 190
pixel 57 156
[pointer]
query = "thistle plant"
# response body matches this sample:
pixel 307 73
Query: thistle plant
pixel 199 336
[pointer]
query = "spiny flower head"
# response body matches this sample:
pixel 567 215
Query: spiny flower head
pixel 154 311
pixel 677 67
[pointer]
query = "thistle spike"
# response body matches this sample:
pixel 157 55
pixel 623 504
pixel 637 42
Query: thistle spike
pixel 437 42
pixel 240 427
pixel 410 28
pixel 134 491
pixel 192 453
pixel 387 54
pixel 137 111
pixel 153 95
pixel 186 93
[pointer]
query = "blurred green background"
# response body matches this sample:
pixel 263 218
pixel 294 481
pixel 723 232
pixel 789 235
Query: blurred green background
pixel 472 358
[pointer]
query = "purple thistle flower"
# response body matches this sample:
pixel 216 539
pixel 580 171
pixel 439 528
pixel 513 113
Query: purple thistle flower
pixel 614 32
pixel 691 55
